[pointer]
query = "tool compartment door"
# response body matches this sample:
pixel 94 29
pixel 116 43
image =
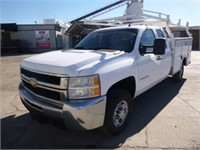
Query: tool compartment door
pixel 182 49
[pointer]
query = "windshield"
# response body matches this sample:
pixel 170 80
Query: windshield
pixel 115 39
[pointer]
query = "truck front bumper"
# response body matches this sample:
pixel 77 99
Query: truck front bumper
pixel 85 115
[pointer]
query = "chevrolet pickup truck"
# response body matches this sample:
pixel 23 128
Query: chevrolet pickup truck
pixel 93 84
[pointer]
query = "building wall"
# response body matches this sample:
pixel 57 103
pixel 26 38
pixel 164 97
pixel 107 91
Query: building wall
pixel 196 39
pixel 27 32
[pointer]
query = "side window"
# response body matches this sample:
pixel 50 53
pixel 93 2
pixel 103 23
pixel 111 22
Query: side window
pixel 159 33
pixel 147 39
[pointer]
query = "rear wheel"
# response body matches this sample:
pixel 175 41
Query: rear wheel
pixel 179 75
pixel 118 110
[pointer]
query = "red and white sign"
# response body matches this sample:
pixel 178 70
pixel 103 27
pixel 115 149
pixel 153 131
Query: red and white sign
pixel 42 39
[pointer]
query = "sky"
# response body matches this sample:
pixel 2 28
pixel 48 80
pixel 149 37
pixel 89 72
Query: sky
pixel 29 11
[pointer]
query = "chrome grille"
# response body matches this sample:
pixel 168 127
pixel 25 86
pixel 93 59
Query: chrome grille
pixel 54 95
pixel 41 77
pixel 52 88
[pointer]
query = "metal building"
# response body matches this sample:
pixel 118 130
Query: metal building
pixel 32 37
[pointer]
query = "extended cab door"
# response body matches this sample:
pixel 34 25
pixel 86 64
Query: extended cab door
pixel 149 65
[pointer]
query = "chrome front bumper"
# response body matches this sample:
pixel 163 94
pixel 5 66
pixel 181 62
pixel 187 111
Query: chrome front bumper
pixel 85 115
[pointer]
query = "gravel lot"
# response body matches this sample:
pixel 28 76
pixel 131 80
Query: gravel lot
pixel 165 117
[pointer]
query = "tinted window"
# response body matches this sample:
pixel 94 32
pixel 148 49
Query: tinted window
pixel 115 39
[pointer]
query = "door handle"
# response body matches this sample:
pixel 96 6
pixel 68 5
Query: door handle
pixel 158 58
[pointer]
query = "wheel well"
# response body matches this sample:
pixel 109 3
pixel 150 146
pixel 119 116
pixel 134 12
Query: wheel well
pixel 127 84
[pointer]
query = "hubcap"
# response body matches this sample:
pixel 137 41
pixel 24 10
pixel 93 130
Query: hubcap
pixel 120 114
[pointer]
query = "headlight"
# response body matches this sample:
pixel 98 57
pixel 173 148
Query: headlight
pixel 84 87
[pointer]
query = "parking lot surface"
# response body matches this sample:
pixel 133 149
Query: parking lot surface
pixel 165 117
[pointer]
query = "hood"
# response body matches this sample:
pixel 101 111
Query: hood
pixel 68 62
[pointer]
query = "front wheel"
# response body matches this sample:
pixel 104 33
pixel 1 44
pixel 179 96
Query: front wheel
pixel 179 75
pixel 118 110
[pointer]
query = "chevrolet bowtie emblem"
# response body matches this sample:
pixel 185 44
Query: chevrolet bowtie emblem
pixel 33 82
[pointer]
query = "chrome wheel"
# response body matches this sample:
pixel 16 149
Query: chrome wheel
pixel 118 108
pixel 120 114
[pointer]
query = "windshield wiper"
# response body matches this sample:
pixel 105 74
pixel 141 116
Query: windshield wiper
pixel 81 47
pixel 107 49
pixel 102 48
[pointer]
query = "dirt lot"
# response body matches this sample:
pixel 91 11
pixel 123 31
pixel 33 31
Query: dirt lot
pixel 165 117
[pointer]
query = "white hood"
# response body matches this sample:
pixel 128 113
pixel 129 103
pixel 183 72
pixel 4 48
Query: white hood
pixel 68 62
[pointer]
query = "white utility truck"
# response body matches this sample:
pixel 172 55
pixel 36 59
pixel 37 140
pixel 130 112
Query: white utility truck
pixel 94 84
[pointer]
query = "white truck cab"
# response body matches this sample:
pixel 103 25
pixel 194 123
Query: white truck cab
pixel 94 84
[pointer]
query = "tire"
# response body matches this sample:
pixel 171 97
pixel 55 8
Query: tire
pixel 179 75
pixel 118 111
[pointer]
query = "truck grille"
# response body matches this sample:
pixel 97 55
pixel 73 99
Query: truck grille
pixel 51 88
pixel 53 95
pixel 41 77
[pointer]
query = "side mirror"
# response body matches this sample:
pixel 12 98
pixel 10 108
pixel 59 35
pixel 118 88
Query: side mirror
pixel 159 46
